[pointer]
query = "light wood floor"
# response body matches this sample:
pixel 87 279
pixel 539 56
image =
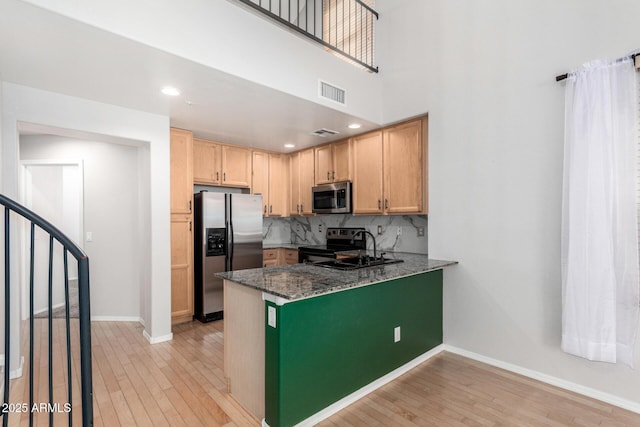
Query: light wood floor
pixel 181 383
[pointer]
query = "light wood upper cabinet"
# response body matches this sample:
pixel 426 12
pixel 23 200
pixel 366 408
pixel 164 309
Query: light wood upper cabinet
pixel 181 173
pixel 389 170
pixel 403 168
pixel 324 164
pixel 306 181
pixel 236 166
pixel 301 172
pixel 367 173
pixel 277 185
pixel 294 184
pixel 333 162
pixel 260 178
pixel 268 179
pixel 207 162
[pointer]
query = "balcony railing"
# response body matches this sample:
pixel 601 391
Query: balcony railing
pixel 345 27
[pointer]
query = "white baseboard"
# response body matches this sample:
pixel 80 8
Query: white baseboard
pixel 46 309
pixel 157 340
pixel 567 385
pixel 115 319
pixel 359 394
pixel 14 373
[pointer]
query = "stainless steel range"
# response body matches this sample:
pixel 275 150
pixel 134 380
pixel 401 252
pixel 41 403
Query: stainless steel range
pixel 338 239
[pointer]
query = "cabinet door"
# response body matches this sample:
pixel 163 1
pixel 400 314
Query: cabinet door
pixel 181 269
pixel 181 172
pixel 260 179
pixel 206 162
pixel 294 181
pixel 277 186
pixel 403 185
pixel 341 161
pixel 367 173
pixel 236 166
pixel 290 256
pixel 306 181
pixel 324 164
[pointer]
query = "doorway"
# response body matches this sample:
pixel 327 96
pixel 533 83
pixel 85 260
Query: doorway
pixel 54 189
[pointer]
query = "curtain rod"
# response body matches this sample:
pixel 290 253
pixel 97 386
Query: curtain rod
pixel 635 57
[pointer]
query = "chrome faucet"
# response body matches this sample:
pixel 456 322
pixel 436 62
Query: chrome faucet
pixel 375 254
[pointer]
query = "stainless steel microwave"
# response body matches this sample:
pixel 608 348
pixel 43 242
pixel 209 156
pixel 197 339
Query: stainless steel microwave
pixel 331 198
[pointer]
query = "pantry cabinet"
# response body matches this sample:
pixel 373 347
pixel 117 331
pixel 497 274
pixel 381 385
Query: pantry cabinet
pixel 301 171
pixel 181 195
pixel 333 162
pixel 269 180
pixel 181 171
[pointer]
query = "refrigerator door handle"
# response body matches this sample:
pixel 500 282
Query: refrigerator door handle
pixel 231 243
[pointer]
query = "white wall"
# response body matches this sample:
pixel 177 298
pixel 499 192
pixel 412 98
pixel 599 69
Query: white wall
pixel 229 37
pixel 485 73
pixel 110 214
pixel 25 107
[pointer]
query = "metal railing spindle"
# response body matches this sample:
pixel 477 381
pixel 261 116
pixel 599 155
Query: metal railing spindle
pixel 50 325
pixel 346 29
pixel 31 322
pixel 7 320
pixel 68 326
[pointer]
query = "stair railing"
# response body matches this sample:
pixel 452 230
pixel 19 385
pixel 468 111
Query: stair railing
pixel 69 247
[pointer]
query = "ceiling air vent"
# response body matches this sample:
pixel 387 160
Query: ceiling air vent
pixel 324 132
pixel 333 93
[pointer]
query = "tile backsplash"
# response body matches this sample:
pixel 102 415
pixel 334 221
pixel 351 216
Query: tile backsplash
pixel 399 233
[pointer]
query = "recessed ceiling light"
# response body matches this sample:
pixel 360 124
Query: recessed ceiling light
pixel 170 90
pixel 355 126
pixel 289 145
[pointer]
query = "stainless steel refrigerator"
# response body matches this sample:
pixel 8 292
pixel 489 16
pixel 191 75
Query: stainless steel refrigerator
pixel 227 236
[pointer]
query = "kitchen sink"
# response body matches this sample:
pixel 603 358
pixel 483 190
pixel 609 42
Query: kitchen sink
pixel 356 262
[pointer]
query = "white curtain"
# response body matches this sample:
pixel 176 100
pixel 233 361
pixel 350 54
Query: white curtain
pixel 600 283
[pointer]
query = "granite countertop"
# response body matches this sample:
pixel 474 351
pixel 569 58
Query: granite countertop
pixel 299 281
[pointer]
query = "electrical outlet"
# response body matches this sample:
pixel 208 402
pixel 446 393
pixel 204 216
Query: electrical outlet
pixel 379 230
pixel 271 316
pixel 89 237
pixel 396 334
pixel 399 231
pixel 320 228
pixel 420 231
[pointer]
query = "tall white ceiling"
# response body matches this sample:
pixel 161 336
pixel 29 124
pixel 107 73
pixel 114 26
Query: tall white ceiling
pixel 45 50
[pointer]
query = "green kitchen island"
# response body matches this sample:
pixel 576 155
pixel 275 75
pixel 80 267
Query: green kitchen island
pixel 302 341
